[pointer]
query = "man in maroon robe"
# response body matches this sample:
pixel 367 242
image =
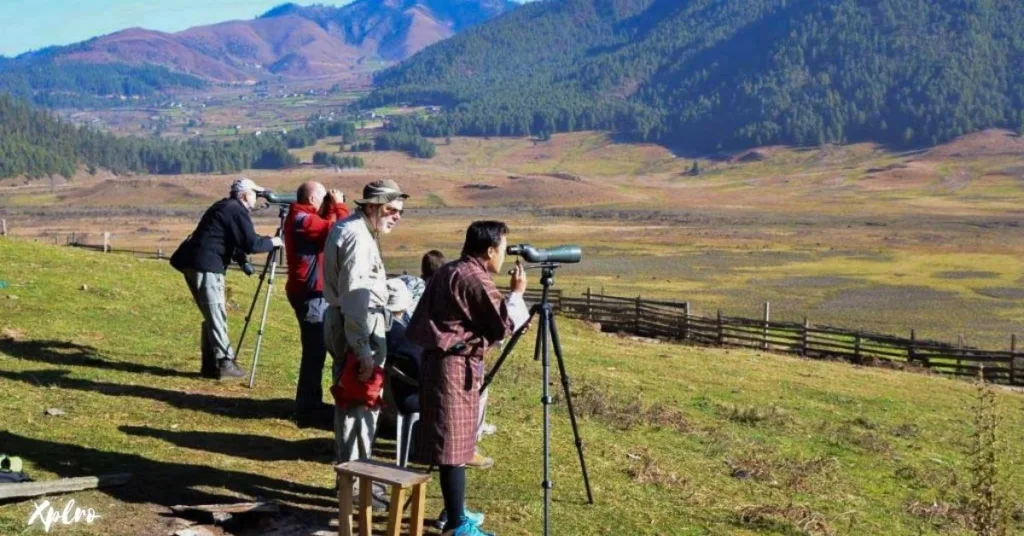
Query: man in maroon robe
pixel 460 316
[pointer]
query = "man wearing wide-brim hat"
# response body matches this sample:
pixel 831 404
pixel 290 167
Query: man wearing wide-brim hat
pixel 356 320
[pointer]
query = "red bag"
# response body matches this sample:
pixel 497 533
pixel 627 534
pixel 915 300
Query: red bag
pixel 349 391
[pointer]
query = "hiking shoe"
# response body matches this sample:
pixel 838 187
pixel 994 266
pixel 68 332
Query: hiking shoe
pixel 380 501
pixel 227 368
pixel 488 429
pixel 476 518
pixel 467 528
pixel 480 461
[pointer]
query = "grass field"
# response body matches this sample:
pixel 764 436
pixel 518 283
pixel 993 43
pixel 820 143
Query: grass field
pixel 679 440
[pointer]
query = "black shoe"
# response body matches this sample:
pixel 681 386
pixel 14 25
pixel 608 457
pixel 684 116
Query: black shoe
pixel 229 369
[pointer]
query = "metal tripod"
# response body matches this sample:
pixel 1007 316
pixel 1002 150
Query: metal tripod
pixel 547 328
pixel 273 259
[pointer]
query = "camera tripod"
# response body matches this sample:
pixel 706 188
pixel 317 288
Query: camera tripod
pixel 273 259
pixel 541 352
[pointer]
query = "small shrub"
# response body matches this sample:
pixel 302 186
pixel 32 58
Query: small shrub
pixel 644 470
pixel 790 518
pixel 989 514
pixel 753 415
pixel 940 514
pixel 592 402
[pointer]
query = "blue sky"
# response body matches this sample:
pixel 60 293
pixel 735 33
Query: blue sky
pixel 32 24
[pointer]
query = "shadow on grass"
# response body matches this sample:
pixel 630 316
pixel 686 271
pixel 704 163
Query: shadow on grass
pixel 235 407
pixel 163 483
pixel 253 447
pixel 64 353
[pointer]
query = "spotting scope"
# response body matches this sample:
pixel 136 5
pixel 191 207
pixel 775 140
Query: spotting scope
pixel 564 254
pixel 278 199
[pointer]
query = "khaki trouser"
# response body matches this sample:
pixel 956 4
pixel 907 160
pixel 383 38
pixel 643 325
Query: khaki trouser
pixel 207 290
pixel 355 426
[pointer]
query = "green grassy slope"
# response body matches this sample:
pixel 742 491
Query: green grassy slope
pixel 679 440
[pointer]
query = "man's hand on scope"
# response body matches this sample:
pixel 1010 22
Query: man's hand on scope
pixel 517 284
pixel 276 240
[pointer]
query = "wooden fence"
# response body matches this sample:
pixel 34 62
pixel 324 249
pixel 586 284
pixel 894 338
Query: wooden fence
pixel 674 321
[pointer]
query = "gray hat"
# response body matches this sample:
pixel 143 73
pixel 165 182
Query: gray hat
pixel 381 192
pixel 242 184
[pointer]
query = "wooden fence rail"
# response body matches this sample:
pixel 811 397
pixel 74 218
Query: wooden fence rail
pixel 671 320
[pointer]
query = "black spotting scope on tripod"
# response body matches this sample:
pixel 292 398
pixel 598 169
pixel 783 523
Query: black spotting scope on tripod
pixel 549 260
pixel 270 267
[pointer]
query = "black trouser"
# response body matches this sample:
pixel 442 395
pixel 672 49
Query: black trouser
pixel 309 394
pixel 453 490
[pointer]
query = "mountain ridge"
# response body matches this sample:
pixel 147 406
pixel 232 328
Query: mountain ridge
pixel 289 40
pixel 709 75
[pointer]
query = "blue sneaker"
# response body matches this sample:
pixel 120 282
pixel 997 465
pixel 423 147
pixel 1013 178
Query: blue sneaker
pixel 468 528
pixel 468 516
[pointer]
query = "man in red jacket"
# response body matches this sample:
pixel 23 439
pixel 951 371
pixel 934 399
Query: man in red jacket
pixel 309 222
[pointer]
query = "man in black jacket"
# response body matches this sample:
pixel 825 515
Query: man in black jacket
pixel 224 232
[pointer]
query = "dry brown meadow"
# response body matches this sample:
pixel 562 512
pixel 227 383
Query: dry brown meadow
pixel 847 235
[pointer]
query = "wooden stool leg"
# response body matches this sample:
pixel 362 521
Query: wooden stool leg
pixel 395 512
pixel 365 506
pixel 419 498
pixel 345 505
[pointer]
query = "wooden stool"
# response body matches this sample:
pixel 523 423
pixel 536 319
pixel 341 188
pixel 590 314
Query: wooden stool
pixel 399 478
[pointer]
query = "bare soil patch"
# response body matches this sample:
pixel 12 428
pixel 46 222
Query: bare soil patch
pixel 994 142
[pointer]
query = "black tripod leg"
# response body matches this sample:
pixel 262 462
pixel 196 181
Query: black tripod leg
pixel 568 403
pixel 542 353
pixel 255 298
pixel 508 349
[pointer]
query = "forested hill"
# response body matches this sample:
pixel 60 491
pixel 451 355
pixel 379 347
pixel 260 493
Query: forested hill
pixel 724 74
pixel 54 85
pixel 35 144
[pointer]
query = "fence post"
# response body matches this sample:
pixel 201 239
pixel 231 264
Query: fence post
pixel 159 253
pixel 638 315
pixel 590 315
pixel 764 334
pixel 960 351
pixel 803 338
pixel 856 349
pixel 106 241
pixel 721 329
pixel 911 354
pixel 686 320
pixel 3 227
pixel 1013 358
